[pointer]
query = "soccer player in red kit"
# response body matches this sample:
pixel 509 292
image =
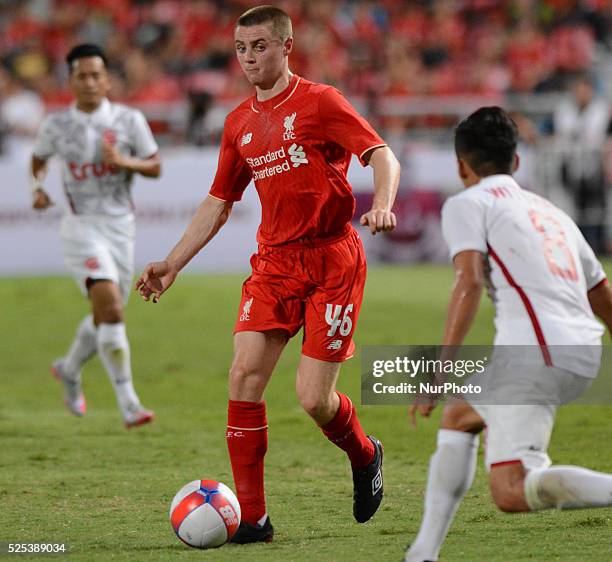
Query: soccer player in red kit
pixel 294 139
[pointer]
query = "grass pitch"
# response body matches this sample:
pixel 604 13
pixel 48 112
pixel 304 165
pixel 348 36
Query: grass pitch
pixel 106 491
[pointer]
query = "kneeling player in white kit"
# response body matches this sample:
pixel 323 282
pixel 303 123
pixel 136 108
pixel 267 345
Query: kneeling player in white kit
pixel 102 144
pixel 547 283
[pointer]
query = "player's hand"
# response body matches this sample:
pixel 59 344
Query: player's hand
pixel 379 220
pixel 424 405
pixel 155 280
pixel 41 200
pixel 111 155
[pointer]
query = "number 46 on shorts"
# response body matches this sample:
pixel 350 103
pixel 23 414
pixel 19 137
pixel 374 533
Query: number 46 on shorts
pixel 336 319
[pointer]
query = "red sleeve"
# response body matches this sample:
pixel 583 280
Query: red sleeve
pixel 343 125
pixel 233 173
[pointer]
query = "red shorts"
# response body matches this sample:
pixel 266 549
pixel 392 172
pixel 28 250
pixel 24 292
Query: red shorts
pixel 319 288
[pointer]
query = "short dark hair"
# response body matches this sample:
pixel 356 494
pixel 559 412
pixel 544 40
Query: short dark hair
pixel 85 50
pixel 280 20
pixel 486 140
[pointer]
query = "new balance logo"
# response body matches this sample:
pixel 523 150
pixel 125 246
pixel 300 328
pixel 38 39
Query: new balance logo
pixel 288 124
pixel 377 483
pixel 297 155
pixel 246 311
pixel 336 344
pixel 246 139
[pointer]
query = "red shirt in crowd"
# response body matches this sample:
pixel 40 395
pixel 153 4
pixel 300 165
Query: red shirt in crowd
pixel 297 148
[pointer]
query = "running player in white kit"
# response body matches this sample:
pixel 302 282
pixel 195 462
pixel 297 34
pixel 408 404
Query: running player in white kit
pixel 101 144
pixel 546 284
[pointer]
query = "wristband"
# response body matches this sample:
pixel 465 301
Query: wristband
pixel 35 184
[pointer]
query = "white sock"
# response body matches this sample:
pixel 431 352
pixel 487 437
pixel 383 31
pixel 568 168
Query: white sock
pixel 567 487
pixel 82 349
pixel 114 351
pixel 451 473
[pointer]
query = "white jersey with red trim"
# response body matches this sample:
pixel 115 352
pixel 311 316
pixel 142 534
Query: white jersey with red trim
pixel 92 186
pixel 540 269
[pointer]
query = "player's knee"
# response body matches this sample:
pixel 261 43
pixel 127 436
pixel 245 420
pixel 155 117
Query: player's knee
pixel 460 418
pixel 244 377
pixel 109 314
pixel 507 503
pixel 239 372
pixel 315 407
pixel 507 496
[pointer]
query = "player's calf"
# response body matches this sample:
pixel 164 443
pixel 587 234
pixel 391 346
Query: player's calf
pixel 247 444
pixel 567 487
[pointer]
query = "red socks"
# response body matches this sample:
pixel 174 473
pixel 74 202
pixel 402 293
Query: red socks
pixel 345 431
pixel 247 443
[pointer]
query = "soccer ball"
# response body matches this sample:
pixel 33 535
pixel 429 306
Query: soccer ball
pixel 205 514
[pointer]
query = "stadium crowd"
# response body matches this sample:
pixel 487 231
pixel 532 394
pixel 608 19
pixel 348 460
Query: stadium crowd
pixel 169 50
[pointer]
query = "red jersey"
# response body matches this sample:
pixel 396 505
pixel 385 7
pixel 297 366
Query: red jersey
pixel 297 148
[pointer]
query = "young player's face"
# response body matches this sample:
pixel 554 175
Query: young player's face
pixel 89 81
pixel 261 54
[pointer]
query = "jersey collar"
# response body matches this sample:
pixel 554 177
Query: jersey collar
pixel 102 111
pixel 278 99
pixel 496 179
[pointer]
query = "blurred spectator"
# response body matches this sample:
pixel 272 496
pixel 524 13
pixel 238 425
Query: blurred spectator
pixel 581 124
pixel 147 82
pixel 158 49
pixel 21 110
pixel 527 57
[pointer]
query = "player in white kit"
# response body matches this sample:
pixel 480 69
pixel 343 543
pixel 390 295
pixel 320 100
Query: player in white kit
pixel 546 284
pixel 101 144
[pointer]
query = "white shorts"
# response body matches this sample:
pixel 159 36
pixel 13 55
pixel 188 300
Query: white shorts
pixel 99 247
pixel 520 432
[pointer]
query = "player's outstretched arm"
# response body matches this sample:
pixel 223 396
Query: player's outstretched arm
pixel 40 198
pixel 462 309
pixel 386 180
pixel 600 299
pixel 157 277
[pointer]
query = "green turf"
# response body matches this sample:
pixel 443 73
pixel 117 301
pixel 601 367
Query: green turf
pixel 107 491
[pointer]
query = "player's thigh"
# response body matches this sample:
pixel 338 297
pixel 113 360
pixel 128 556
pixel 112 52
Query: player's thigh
pixel 316 380
pixel 106 301
pixel 86 252
pixel 255 356
pixel 332 309
pixel 517 434
pixel 272 297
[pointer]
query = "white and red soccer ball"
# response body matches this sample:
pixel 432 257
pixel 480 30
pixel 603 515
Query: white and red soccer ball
pixel 205 514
